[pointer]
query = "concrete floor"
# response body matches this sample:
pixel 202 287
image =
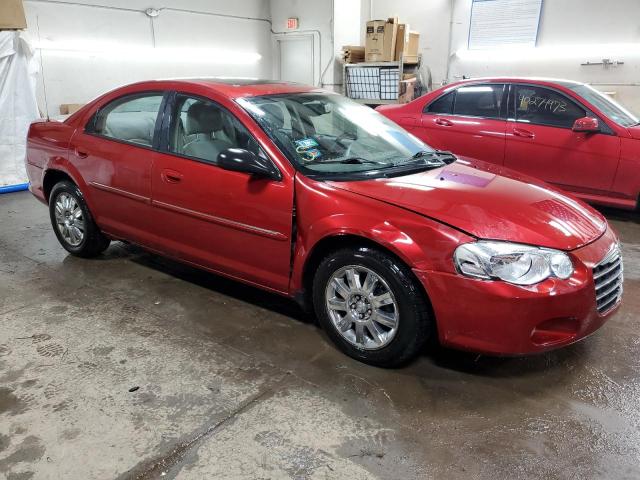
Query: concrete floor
pixel 133 366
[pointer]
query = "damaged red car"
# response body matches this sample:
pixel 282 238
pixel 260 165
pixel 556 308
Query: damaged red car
pixel 307 194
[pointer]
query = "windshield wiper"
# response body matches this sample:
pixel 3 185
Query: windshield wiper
pixel 442 155
pixel 345 161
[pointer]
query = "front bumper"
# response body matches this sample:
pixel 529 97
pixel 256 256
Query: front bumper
pixel 494 317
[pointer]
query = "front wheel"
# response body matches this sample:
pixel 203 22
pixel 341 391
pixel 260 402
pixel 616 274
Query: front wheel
pixel 72 222
pixel 371 306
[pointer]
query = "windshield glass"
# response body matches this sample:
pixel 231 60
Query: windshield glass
pixel 609 107
pixel 328 134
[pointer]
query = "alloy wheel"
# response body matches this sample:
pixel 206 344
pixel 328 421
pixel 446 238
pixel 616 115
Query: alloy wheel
pixel 69 219
pixel 362 307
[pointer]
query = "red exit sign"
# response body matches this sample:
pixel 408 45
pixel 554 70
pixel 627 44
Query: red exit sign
pixel 292 23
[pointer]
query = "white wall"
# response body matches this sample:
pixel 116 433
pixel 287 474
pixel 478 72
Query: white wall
pixel 347 30
pixel 77 77
pixel 571 32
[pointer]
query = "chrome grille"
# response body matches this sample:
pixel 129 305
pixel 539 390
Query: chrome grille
pixel 608 278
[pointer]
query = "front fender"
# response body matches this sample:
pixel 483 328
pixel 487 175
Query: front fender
pixel 325 213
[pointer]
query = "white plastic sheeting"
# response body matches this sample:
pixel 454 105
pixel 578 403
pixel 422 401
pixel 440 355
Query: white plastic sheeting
pixel 18 106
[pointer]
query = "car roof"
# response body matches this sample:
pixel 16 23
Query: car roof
pixel 234 87
pixel 540 80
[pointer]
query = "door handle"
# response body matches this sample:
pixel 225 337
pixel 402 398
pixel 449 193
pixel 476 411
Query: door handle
pixel 521 132
pixel 443 122
pixel 81 153
pixel 171 176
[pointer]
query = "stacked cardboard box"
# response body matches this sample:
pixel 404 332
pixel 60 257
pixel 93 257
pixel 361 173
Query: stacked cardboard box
pixel 388 40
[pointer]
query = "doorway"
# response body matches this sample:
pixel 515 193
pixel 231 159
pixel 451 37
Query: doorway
pixel 297 59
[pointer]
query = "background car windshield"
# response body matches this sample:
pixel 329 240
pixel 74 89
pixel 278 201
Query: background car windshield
pixel 328 133
pixel 610 108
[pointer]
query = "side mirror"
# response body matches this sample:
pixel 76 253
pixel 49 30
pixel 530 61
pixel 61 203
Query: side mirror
pixel 240 160
pixel 586 124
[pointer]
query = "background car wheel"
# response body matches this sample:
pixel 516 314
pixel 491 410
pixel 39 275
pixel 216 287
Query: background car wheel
pixel 72 222
pixel 370 305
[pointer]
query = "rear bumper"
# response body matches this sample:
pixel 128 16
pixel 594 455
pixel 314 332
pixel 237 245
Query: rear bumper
pixel 35 174
pixel 498 318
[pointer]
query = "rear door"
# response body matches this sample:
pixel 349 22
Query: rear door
pixel 541 142
pixel 114 154
pixel 231 222
pixel 469 121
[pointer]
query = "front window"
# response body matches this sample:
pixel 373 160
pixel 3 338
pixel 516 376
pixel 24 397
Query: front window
pixel 606 105
pixel 202 129
pixel 541 106
pixel 327 135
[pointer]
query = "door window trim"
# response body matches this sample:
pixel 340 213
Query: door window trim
pixel 90 124
pixel 511 117
pixel 502 114
pixel 168 123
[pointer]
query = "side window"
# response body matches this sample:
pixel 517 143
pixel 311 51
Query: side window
pixel 542 106
pixel 202 129
pixel 479 101
pixel 130 119
pixel 444 104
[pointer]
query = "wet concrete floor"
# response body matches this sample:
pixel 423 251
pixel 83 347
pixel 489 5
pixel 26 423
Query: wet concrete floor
pixel 133 366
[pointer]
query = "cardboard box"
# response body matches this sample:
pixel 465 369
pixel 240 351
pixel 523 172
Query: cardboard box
pixel 412 48
pixel 69 108
pixel 352 54
pixel 390 35
pixel 374 43
pixel 380 43
pixel 401 38
pixel 407 90
pixel 12 15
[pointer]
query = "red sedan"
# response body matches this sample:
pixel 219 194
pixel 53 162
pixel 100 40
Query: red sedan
pixel 566 133
pixel 307 194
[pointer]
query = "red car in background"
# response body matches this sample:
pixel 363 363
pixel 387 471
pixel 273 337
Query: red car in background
pixel 310 195
pixel 564 132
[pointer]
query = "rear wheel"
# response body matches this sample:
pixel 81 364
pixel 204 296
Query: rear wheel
pixel 72 222
pixel 371 306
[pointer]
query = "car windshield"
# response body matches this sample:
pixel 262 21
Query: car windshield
pixel 326 134
pixel 609 107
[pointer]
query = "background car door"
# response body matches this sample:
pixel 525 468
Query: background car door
pixel 114 154
pixel 228 221
pixel 469 121
pixel 541 143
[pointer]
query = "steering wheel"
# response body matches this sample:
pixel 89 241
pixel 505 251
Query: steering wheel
pixel 344 136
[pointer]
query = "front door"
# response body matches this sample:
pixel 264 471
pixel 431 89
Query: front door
pixel 230 222
pixel 541 142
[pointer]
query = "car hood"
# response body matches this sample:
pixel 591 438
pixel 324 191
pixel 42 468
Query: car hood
pixel 490 202
pixel 634 132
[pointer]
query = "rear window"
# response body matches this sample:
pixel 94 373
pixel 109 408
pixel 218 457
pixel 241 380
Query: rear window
pixel 444 104
pixel 129 119
pixel 472 101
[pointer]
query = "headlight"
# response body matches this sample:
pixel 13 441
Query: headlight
pixel 511 262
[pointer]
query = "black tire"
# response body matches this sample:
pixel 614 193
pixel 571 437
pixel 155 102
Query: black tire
pixel 414 324
pixel 93 242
